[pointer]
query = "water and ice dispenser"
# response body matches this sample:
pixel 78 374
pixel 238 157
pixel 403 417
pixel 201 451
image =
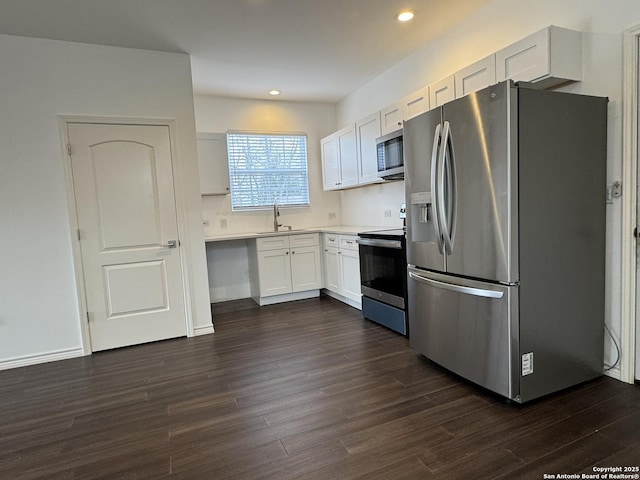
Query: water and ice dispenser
pixel 422 229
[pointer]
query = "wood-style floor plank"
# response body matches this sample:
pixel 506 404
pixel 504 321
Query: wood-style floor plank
pixel 302 390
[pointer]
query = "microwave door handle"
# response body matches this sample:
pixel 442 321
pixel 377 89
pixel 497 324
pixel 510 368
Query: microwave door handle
pixel 434 187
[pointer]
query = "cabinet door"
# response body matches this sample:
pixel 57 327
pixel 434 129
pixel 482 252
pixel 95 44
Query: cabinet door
pixel 330 163
pixel 331 269
pixel 391 118
pixel 367 130
pixel 476 76
pixel 548 57
pixel 274 272
pixel 348 153
pixel 213 163
pixel 442 92
pixel 350 274
pixel 306 270
pixel 416 103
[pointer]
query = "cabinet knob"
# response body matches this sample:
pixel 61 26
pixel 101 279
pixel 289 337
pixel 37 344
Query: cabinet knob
pixel 293 252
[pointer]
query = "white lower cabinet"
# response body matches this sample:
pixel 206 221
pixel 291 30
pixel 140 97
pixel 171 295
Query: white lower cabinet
pixel 342 268
pixel 285 268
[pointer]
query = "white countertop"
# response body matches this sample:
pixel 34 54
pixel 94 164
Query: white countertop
pixel 339 229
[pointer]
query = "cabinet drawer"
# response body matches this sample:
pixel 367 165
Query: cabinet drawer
pixel 348 242
pixel 272 243
pixel 331 240
pixel 306 240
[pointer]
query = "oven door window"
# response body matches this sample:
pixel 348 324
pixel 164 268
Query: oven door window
pixel 383 269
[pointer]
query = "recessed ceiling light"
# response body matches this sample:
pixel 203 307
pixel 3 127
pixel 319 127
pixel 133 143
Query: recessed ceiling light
pixel 274 92
pixel 405 15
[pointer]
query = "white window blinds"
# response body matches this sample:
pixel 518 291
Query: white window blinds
pixel 267 168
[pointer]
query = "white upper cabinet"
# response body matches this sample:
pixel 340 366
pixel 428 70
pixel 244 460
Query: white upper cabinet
pixel 548 57
pixel 348 157
pixel 367 130
pixel 213 163
pixel 330 162
pixel 391 118
pixel 340 159
pixel 416 103
pixel 442 92
pixel 476 76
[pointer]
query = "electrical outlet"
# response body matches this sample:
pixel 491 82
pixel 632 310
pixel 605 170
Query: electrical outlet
pixel 332 215
pixel 223 223
pixel 387 213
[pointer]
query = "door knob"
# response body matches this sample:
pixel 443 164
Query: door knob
pixel 170 244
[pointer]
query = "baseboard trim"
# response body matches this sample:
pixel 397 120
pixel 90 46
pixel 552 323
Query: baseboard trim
pixel 614 373
pixel 206 330
pixel 54 356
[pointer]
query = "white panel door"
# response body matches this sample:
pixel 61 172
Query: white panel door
pixel 125 200
pixel 332 269
pixel 367 130
pixel 274 272
pixel 475 77
pixel 306 270
pixel 330 163
pixel 442 92
pixel 348 157
pixel 391 118
pixel 213 163
pixel 350 274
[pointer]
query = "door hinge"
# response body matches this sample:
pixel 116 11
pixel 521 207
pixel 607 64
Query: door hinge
pixel 79 236
pixel 88 318
pixel 635 232
pixel 69 149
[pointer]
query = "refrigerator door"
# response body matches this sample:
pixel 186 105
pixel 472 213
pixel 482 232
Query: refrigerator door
pixel 483 157
pixel 421 143
pixel 468 327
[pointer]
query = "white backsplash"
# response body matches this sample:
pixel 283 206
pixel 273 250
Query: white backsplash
pixel 369 205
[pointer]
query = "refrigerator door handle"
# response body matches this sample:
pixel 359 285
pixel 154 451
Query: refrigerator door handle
pixel 448 160
pixel 435 157
pixel 478 292
pixel 441 198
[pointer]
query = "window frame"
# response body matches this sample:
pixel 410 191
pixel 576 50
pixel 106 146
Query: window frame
pixel 299 170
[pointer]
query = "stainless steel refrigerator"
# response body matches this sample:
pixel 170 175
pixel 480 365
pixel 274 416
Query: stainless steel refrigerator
pixel 505 192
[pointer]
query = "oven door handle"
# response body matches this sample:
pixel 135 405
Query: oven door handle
pixel 378 242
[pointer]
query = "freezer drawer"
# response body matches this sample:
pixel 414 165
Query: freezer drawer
pixel 467 326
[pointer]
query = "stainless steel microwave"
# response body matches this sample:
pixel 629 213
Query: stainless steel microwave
pixel 390 156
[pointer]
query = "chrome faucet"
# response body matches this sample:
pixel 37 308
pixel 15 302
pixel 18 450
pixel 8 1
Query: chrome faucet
pixel 276 214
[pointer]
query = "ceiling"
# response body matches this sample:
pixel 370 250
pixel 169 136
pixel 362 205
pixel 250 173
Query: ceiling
pixel 312 50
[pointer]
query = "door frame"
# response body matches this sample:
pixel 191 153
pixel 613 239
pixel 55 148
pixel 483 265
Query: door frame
pixel 631 50
pixel 181 213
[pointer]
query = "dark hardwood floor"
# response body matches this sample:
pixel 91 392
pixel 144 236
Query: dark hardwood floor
pixel 304 390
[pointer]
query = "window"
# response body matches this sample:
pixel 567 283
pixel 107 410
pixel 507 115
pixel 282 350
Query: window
pixel 267 168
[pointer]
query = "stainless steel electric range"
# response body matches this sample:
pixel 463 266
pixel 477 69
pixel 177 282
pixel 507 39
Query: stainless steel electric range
pixel 383 273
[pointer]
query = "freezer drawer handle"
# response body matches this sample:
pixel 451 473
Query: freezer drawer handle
pixel 478 292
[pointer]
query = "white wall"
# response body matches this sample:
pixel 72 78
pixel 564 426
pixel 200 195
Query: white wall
pixel 40 80
pixel 495 26
pixel 219 114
